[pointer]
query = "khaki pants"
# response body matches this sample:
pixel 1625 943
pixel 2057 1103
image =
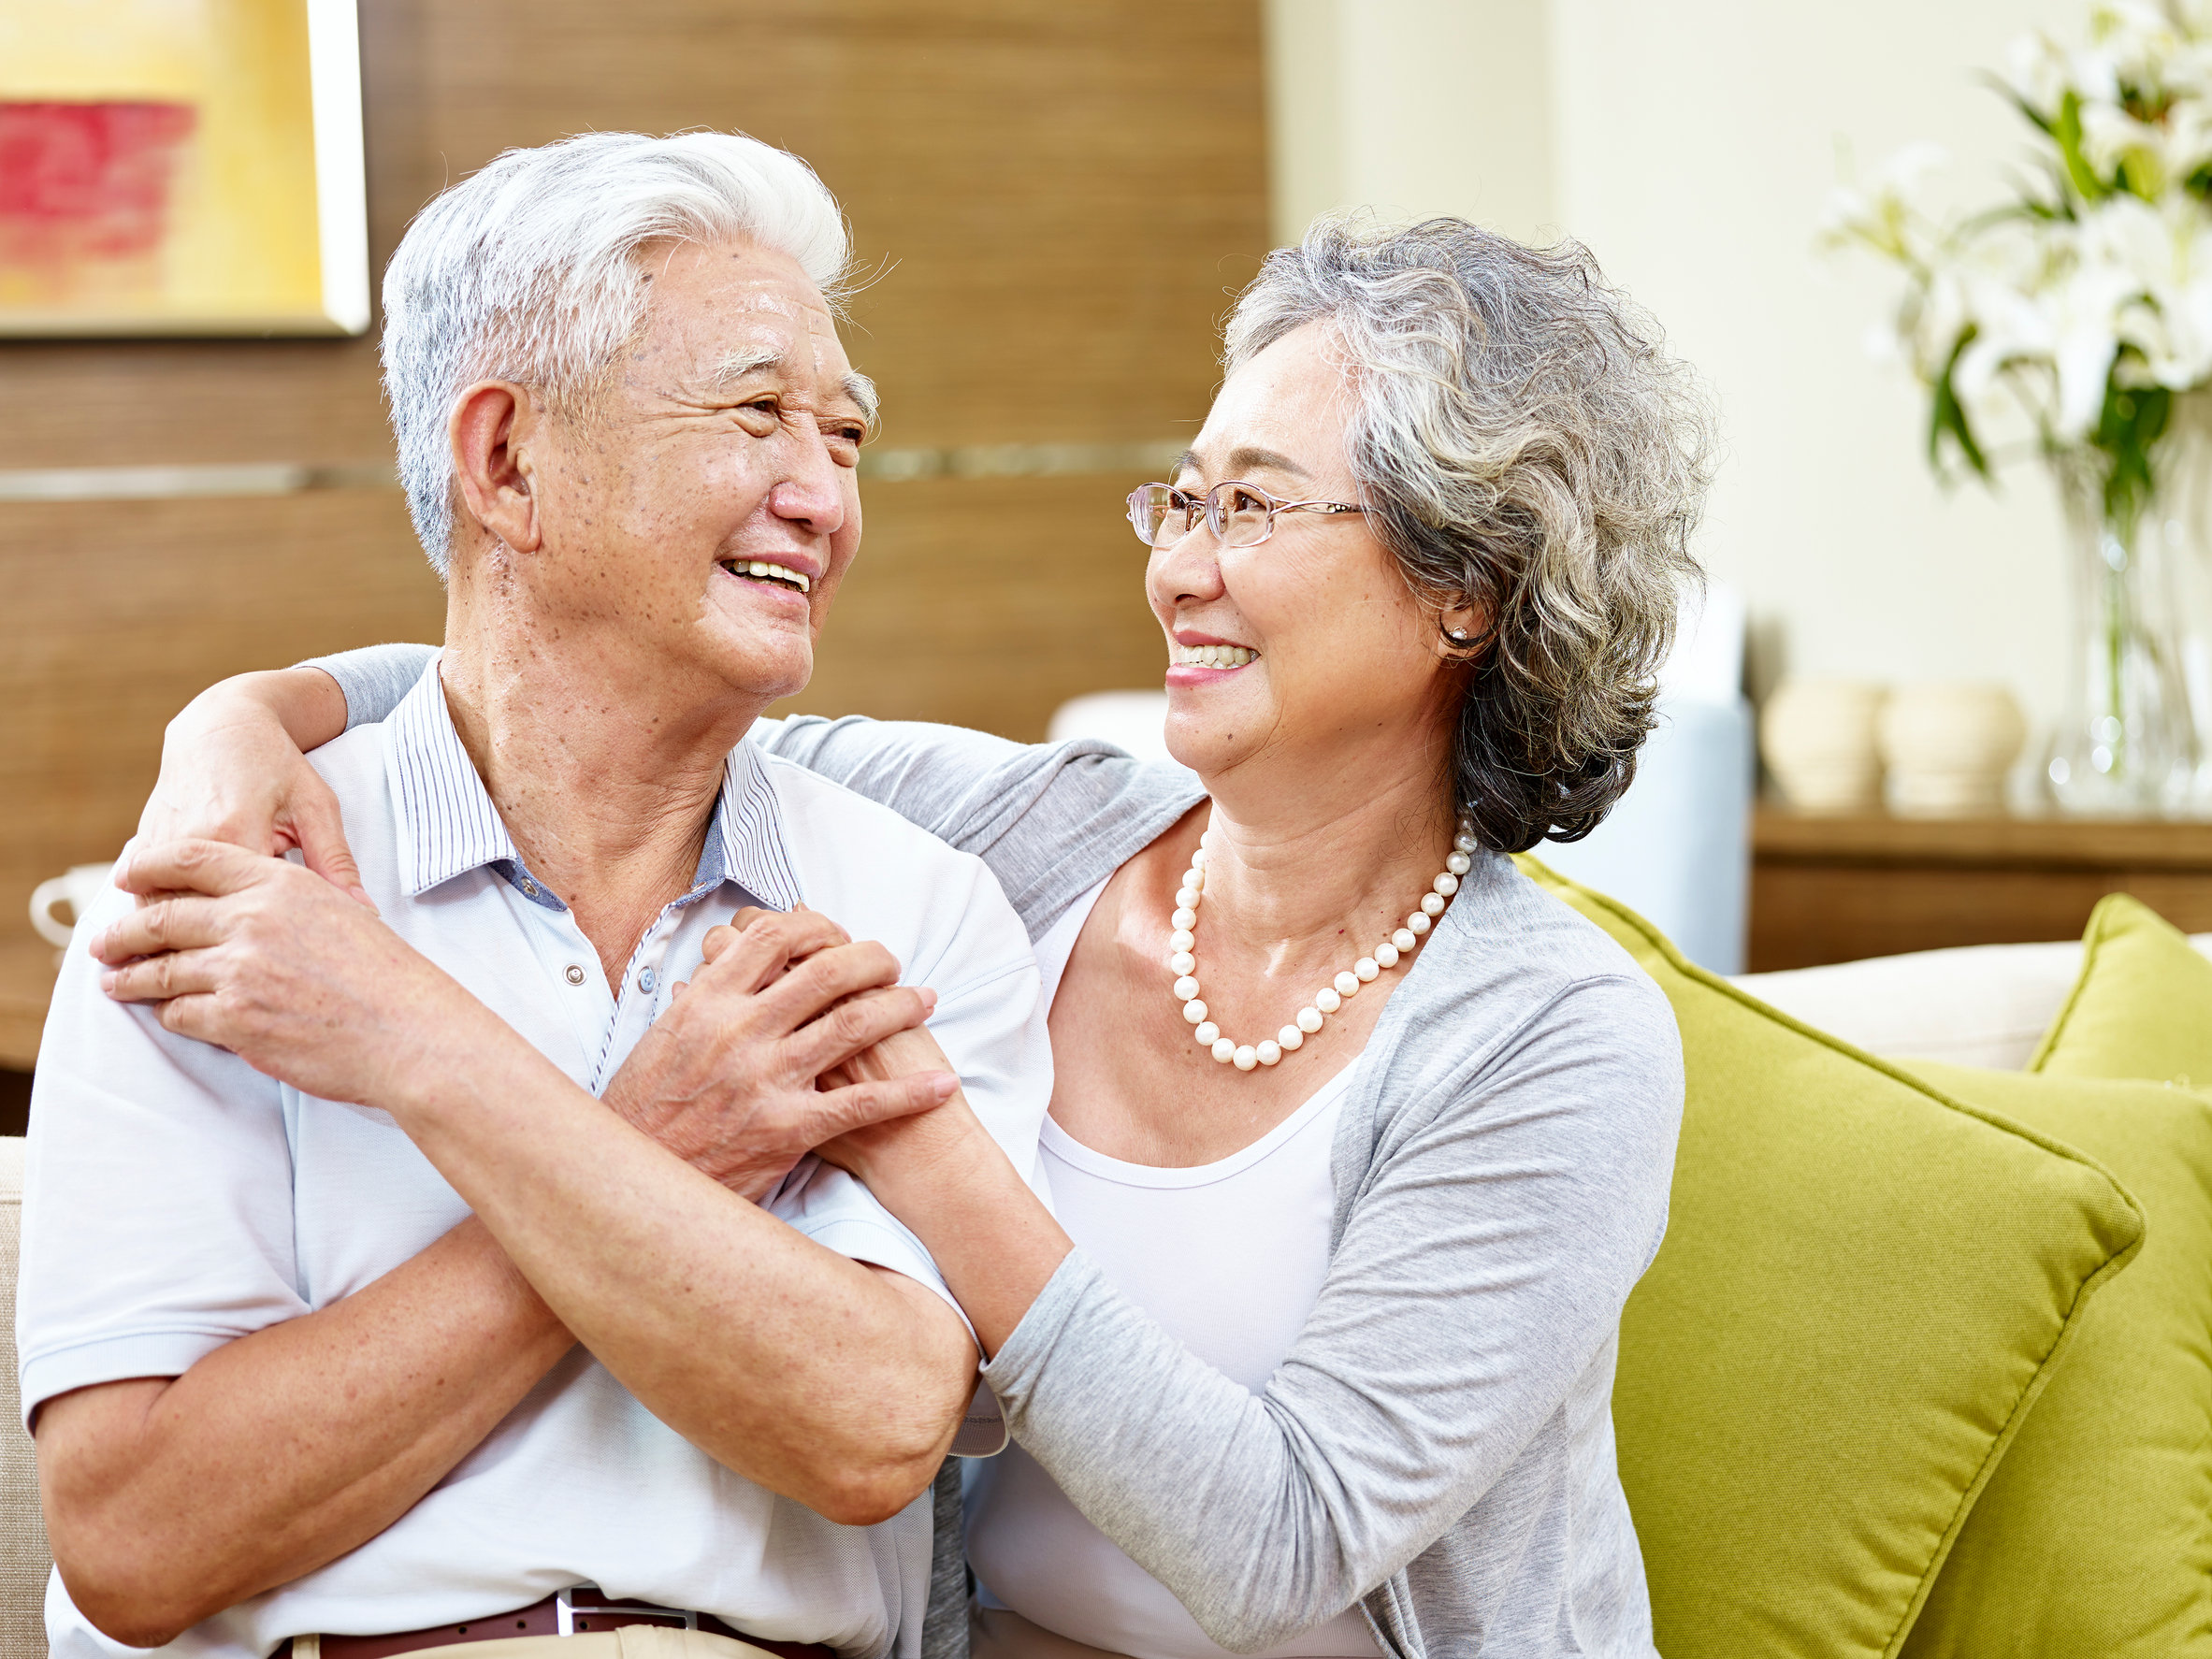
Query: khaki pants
pixel 632 1641
pixel 998 1633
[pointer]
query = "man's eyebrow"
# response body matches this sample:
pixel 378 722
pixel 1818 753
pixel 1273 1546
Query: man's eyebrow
pixel 735 366
pixel 861 390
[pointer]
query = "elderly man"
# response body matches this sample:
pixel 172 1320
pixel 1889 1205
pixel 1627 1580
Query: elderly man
pixel 416 1342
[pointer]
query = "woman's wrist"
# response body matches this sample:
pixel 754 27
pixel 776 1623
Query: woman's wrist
pixel 991 1235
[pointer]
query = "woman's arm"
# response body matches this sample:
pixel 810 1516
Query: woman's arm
pixel 233 761
pixel 1480 1275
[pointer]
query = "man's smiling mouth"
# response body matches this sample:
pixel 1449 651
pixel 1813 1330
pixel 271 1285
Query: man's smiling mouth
pixel 760 571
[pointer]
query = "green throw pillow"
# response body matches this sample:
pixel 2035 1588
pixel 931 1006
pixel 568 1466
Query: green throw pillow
pixel 1863 1288
pixel 2094 1536
pixel 2142 1007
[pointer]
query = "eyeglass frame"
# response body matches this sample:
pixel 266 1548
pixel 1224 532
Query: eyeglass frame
pixel 1208 504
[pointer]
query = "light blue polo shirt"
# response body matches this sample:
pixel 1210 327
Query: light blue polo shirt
pixel 176 1200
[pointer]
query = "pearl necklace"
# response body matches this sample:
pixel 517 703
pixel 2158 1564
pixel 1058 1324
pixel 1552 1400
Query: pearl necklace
pixel 1331 996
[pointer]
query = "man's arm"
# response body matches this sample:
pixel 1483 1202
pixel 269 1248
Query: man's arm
pixel 834 1383
pixel 281 1450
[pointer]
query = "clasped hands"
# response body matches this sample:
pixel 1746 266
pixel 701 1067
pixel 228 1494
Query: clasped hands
pixel 790 1038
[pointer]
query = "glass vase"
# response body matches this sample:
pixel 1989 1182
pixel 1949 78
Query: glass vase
pixel 2126 746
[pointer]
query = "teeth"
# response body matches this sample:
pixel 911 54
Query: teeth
pixel 773 572
pixel 1211 657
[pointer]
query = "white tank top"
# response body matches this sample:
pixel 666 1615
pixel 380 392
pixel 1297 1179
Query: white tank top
pixel 1229 1258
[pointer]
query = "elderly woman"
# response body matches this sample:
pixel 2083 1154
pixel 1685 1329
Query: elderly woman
pixel 1358 1140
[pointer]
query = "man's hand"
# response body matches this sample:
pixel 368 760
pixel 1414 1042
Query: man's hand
pixel 726 1078
pixel 258 956
pixel 232 770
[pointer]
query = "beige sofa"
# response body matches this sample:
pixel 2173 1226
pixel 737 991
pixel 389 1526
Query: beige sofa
pixel 1983 1005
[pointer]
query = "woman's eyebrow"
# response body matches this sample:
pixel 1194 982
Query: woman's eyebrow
pixel 1245 459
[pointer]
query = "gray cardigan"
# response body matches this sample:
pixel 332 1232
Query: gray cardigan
pixel 1438 1444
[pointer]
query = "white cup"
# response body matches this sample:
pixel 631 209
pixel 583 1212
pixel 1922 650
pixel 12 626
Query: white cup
pixel 79 889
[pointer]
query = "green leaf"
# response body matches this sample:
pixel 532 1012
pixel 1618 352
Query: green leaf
pixel 1947 416
pixel 2068 133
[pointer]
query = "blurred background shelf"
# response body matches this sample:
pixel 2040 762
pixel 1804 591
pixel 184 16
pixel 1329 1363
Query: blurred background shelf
pixel 1832 889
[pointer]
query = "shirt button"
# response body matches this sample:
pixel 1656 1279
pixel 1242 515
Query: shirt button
pixel 645 981
pixel 531 887
pixel 575 974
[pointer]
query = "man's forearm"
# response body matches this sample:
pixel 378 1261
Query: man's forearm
pixel 805 1372
pixel 168 1500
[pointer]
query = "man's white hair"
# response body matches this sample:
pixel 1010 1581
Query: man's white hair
pixel 526 271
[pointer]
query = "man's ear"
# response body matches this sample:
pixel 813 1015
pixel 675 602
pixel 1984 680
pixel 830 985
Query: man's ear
pixel 489 432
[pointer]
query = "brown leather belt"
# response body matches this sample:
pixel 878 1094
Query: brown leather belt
pixel 567 1613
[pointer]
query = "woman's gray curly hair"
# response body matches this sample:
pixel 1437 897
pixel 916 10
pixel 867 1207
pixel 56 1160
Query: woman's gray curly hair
pixel 1523 445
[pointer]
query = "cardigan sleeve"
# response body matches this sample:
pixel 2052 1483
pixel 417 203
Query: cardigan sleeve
pixel 1478 1282
pixel 373 678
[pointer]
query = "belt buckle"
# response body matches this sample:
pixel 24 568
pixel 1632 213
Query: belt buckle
pixel 591 1598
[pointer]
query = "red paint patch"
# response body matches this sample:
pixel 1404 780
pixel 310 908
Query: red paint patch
pixel 87 182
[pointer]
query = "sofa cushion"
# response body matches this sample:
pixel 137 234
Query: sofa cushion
pixel 1970 1005
pixel 24 1564
pixel 2142 1006
pixel 1863 1288
pixel 2094 1534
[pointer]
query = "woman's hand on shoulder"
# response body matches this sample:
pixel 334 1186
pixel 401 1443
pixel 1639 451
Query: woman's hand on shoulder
pixel 257 955
pixel 233 769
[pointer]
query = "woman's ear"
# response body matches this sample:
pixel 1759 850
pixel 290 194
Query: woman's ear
pixel 491 424
pixel 1465 630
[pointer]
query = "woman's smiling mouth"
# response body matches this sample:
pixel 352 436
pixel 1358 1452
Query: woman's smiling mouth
pixel 1210 657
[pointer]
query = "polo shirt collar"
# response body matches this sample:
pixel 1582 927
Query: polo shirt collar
pixel 449 827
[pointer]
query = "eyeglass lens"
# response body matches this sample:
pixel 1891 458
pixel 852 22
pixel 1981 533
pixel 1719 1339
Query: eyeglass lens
pixel 1235 512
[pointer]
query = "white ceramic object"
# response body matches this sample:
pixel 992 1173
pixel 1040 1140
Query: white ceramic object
pixel 1948 746
pixel 78 889
pixel 1819 738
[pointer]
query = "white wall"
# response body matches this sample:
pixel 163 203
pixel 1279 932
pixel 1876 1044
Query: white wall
pixel 1691 145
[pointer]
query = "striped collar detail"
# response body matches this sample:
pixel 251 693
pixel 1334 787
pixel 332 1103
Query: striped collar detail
pixel 449 827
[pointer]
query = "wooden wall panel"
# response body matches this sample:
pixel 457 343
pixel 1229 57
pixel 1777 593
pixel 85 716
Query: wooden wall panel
pixel 988 603
pixel 1058 202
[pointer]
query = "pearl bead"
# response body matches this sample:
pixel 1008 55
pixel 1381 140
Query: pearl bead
pixel 1246 1058
pixel 1308 1020
pixel 1417 924
pixel 1194 1010
pixel 1181 939
pixel 1386 955
pixel 1198 859
pixel 1207 1034
pixel 1268 1052
pixel 1224 1050
pixel 1404 940
pixel 1206 838
pixel 1186 989
pixel 1182 962
pixel 1459 863
pixel 1291 1037
pixel 1433 904
pixel 1185 918
pixel 1194 877
pixel 1187 898
pixel 1446 884
pixel 1464 842
pixel 1366 968
pixel 1347 984
pixel 1327 1000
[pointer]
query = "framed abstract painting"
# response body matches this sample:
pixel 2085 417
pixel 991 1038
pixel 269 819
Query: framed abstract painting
pixel 181 167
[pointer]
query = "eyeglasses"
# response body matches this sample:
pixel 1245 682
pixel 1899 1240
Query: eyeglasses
pixel 1238 515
